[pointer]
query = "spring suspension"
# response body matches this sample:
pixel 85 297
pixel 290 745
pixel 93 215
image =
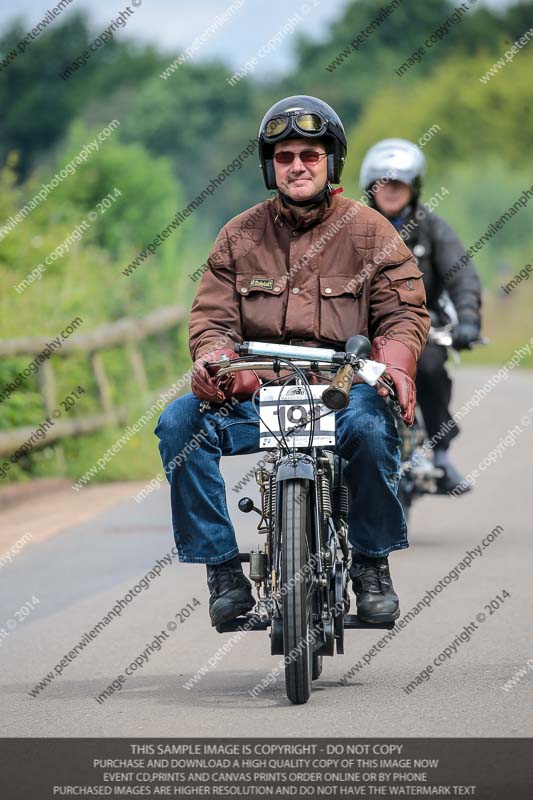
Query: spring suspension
pixel 344 499
pixel 268 492
pixel 324 495
pixel 269 498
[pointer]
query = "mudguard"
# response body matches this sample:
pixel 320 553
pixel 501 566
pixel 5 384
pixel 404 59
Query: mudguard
pixel 299 466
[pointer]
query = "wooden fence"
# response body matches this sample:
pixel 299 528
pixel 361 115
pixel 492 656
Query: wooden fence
pixel 126 332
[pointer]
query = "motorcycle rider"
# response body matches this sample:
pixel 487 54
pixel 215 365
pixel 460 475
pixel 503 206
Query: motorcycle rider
pixel 399 166
pixel 308 267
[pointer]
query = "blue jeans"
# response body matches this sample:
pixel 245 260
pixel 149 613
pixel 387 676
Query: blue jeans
pixel 191 444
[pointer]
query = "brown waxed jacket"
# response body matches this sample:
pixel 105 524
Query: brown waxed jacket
pixel 340 270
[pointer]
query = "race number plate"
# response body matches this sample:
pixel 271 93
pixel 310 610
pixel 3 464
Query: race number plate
pixel 284 407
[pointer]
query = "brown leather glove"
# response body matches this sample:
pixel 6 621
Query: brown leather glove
pixel 203 382
pixel 244 384
pixel 401 368
pixel 206 386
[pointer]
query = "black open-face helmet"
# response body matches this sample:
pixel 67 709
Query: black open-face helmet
pixel 301 117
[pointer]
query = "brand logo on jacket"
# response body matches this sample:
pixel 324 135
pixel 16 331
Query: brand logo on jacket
pixel 262 283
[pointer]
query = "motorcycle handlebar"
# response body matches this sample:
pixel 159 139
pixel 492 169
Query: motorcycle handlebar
pixel 347 363
pixel 287 351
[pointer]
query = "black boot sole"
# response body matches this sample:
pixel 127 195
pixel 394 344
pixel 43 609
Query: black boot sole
pixel 374 619
pixel 456 491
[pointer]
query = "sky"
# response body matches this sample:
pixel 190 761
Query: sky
pixel 243 28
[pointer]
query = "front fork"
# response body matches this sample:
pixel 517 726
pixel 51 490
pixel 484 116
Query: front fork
pixel 327 501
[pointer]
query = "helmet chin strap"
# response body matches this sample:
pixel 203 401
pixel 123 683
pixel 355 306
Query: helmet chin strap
pixel 312 201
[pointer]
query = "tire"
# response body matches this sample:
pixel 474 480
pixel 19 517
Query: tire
pixel 296 614
pixel 317 667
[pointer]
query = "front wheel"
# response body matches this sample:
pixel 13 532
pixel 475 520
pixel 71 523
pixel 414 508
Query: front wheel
pixel 297 597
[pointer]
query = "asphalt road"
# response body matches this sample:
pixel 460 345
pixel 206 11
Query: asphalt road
pixel 78 575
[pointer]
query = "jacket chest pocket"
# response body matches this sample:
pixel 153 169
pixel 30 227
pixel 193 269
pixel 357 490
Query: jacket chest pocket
pixel 263 304
pixel 342 309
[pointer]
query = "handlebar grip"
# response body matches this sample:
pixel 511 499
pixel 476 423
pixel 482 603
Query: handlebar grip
pixel 337 395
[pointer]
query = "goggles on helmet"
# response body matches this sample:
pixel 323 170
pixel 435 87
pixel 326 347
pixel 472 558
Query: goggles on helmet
pixel 305 123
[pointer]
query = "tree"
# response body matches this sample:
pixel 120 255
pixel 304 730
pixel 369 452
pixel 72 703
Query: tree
pixel 42 105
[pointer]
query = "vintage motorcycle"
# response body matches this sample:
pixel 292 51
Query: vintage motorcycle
pixel 418 474
pixel 301 570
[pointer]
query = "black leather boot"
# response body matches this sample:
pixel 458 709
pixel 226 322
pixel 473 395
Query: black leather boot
pixel 452 480
pixel 231 591
pixel 376 599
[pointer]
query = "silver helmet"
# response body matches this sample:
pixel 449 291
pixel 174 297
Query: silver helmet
pixel 396 159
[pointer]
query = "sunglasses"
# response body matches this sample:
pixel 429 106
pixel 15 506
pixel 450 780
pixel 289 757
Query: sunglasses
pixel 308 123
pixel 306 156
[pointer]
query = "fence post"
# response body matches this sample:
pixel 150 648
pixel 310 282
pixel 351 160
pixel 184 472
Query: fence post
pixel 104 387
pixel 137 365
